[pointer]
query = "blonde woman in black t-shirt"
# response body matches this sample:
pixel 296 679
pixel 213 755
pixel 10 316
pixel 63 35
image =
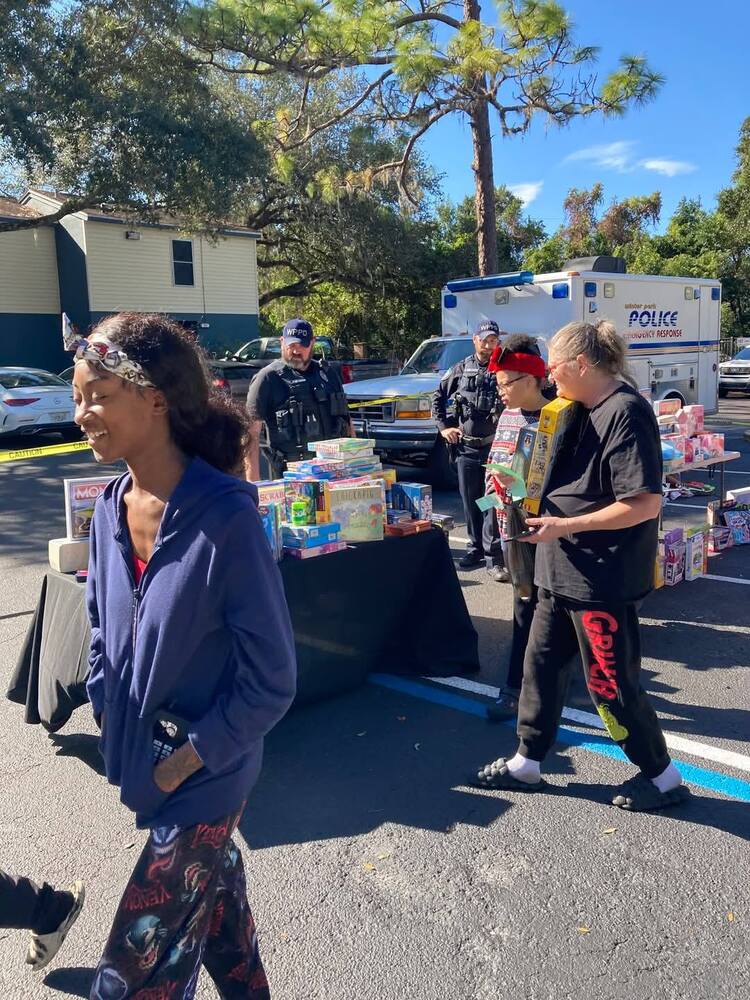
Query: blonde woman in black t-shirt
pixel 596 543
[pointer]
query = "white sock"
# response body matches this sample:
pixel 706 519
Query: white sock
pixel 669 778
pixel 524 769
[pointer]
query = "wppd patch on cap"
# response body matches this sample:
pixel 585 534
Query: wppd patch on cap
pixel 298 331
pixel 488 328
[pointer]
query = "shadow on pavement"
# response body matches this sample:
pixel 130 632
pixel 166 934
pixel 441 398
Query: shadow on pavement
pixel 82 746
pixel 75 982
pixel 347 766
pixel 716 813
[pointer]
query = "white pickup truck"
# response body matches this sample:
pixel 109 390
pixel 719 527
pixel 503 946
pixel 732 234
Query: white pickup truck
pixel 404 429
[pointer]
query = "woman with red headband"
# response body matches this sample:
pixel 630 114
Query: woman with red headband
pixel 519 371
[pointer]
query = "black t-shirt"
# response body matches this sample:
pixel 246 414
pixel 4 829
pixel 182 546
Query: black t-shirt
pixel 609 453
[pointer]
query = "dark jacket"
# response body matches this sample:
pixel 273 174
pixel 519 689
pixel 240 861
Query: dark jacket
pixel 206 636
pixel 475 397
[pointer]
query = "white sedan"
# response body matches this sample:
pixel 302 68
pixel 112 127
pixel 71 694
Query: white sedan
pixel 34 401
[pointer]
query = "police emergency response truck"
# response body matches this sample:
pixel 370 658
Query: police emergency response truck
pixel 671 325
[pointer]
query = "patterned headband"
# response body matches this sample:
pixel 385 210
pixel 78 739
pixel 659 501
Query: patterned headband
pixel 108 356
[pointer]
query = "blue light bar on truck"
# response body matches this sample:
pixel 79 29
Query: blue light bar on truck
pixel 492 281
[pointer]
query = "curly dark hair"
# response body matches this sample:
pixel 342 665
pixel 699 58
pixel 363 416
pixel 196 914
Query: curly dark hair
pixel 203 422
pixel 521 343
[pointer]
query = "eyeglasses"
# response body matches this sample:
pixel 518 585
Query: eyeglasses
pixel 504 385
pixel 552 368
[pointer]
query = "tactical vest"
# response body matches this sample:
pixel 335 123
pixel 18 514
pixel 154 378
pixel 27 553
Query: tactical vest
pixel 315 409
pixel 476 399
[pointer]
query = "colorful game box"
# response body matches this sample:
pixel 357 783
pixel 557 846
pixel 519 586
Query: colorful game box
pixel 407 528
pixel 695 550
pixel 315 492
pixel 360 510
pixel 270 491
pixel 554 420
pixel 344 447
pixel 317 550
pixel 521 462
pixel 270 516
pixel 80 497
pixel 307 536
pixel 414 497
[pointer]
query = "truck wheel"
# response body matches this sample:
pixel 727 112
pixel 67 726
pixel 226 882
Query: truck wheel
pixel 442 471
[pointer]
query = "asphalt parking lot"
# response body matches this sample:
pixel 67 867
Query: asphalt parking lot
pixel 376 872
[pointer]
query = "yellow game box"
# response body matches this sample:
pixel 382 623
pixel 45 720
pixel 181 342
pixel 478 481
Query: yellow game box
pixel 554 420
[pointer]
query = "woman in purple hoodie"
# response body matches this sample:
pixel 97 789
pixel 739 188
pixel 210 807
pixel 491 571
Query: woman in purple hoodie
pixel 192 654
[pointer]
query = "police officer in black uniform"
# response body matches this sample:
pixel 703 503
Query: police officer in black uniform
pixel 292 402
pixel 469 434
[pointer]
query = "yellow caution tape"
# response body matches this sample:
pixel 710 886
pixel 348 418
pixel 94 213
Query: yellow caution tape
pixel 387 399
pixel 52 449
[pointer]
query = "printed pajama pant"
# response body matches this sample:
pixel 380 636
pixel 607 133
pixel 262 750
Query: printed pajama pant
pixel 609 640
pixel 184 906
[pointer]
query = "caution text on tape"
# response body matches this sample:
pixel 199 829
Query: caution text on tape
pixel 52 449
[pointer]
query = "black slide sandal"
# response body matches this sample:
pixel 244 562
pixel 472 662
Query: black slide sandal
pixel 496 775
pixel 640 794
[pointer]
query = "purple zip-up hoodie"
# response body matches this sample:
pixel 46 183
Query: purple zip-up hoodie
pixel 205 636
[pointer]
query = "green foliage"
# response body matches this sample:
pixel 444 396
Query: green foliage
pixel 109 110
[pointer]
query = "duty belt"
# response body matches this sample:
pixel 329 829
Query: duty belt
pixel 475 442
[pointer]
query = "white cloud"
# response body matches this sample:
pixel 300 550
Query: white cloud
pixel 613 155
pixel 620 156
pixel 527 191
pixel 670 168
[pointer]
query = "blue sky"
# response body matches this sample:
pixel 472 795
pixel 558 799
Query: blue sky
pixel 681 144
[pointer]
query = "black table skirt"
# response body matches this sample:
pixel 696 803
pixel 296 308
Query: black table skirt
pixel 394 606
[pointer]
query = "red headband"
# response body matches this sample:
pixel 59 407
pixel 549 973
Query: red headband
pixel 503 360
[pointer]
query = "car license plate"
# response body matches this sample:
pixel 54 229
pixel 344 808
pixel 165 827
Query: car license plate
pixel 60 417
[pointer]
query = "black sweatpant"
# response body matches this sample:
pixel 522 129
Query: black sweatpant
pixel 609 641
pixel 26 906
pixel 523 616
pixel 480 525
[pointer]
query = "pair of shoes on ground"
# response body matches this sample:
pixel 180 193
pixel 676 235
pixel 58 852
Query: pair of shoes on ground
pixel 471 560
pixel 638 794
pixel 44 947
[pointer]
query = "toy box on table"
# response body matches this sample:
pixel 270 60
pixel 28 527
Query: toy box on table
pixel 315 494
pixel 554 420
pixel 416 498
pixel 271 491
pixel 344 448
pixel 308 536
pixel 317 550
pixel 408 528
pixel 360 511
pixel 271 517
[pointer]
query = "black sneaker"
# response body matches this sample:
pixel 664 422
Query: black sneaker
pixel 506 707
pixel 470 560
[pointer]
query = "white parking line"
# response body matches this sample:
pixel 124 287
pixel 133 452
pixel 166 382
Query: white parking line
pixel 738 761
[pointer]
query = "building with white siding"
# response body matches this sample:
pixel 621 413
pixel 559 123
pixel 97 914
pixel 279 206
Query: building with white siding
pixel 92 264
pixel 29 292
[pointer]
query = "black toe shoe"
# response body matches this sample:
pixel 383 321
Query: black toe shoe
pixel 470 560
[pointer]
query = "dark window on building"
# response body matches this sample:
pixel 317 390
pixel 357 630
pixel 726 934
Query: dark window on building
pixel 182 262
